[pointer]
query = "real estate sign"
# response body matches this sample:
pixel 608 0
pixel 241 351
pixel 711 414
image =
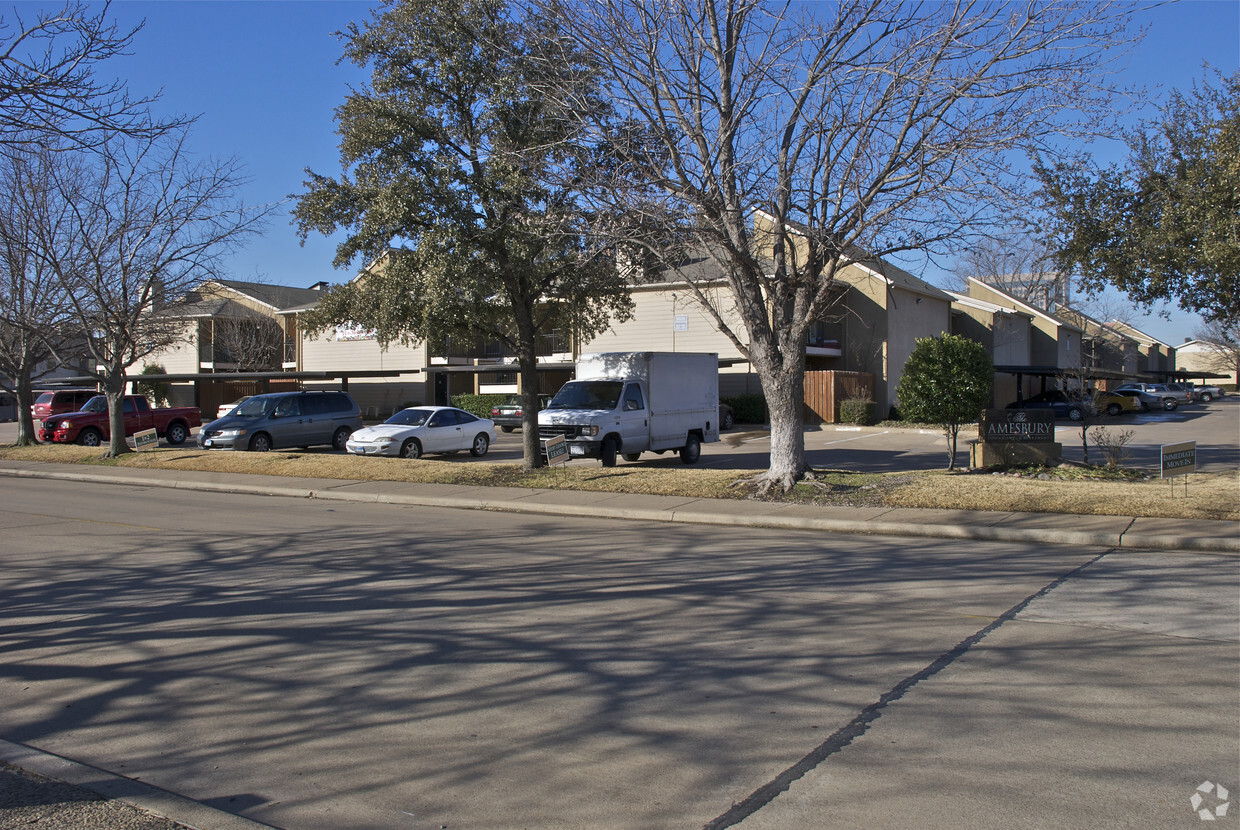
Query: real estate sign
pixel 1179 459
pixel 557 450
pixel 1017 426
pixel 145 439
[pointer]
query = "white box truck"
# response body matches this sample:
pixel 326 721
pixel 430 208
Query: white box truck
pixel 627 403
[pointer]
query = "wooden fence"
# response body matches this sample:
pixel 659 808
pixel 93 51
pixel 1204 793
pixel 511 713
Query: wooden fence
pixel 825 390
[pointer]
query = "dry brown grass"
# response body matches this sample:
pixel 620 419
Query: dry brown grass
pixel 1210 496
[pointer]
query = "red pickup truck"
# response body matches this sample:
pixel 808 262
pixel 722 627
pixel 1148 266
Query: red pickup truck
pixel 90 426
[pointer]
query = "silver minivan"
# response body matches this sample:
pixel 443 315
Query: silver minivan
pixel 285 419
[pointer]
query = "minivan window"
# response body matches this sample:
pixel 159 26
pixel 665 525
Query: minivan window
pixel 288 407
pixel 255 407
pixel 46 397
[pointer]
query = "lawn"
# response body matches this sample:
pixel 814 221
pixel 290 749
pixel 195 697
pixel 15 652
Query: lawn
pixel 1065 489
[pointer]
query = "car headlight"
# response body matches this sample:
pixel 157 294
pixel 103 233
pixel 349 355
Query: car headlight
pixel 231 433
pixel 590 430
pixel 384 441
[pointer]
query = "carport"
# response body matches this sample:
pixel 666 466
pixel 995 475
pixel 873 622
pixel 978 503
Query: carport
pixel 1044 372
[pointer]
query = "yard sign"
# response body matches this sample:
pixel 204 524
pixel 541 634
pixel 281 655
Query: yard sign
pixel 1179 459
pixel 557 450
pixel 145 439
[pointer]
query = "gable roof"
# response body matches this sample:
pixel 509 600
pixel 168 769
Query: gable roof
pixel 1024 306
pixel 274 297
pixel 1138 335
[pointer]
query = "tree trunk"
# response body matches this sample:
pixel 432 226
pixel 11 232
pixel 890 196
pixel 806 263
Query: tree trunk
pixel 26 434
pixel 784 387
pixel 114 389
pixel 527 360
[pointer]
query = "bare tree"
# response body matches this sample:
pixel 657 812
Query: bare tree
pixel 49 82
pixel 35 324
pixel 252 344
pixel 148 222
pixel 1017 263
pixel 1222 338
pixel 860 130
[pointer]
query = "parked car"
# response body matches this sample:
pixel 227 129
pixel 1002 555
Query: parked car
pixel 1056 400
pixel 507 415
pixel 92 426
pixel 60 401
pixel 1206 392
pixel 413 432
pixel 1183 391
pixel 228 408
pixel 285 419
pixel 1113 403
pixel 1151 396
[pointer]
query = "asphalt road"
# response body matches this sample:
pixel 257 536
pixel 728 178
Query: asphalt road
pixel 368 666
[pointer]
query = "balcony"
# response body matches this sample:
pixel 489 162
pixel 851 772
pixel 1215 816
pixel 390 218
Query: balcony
pixel 472 352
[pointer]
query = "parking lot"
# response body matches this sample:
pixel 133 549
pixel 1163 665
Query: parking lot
pixel 1215 426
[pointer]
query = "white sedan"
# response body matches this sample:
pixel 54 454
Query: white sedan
pixel 413 432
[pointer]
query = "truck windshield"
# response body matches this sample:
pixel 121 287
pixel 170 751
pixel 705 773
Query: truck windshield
pixel 99 403
pixel 587 394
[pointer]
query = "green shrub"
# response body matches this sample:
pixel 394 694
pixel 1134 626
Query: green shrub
pixel 154 391
pixel 857 411
pixel 747 409
pixel 479 405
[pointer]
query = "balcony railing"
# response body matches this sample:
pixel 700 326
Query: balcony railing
pixel 495 350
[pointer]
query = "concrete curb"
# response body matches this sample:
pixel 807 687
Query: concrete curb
pixel 118 788
pixel 687 515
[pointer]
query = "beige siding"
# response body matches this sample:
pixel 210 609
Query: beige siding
pixel 378 397
pixel 179 358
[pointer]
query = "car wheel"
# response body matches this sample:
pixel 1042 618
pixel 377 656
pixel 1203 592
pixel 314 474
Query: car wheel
pixel 1170 405
pixel 507 429
pixel 481 443
pixel 177 433
pixel 726 421
pixel 607 452
pixel 1114 409
pixel 341 438
pixel 1075 414
pixel 90 437
pixel 691 451
pixel 411 449
pixel 1207 397
pixel 260 442
pixel 632 456
pixel 1143 406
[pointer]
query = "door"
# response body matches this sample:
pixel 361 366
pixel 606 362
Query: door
pixel 288 425
pixel 634 420
pixel 442 432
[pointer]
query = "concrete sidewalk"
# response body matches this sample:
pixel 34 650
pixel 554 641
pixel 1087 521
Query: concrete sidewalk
pixel 1135 532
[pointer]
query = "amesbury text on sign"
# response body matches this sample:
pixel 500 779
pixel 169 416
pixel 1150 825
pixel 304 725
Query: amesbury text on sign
pixel 1017 426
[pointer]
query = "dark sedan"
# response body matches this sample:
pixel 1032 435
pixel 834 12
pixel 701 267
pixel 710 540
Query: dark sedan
pixel 507 415
pixel 1061 404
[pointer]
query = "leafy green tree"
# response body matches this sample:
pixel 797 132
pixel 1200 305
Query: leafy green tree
pixel 1164 226
pixel 947 380
pixel 461 181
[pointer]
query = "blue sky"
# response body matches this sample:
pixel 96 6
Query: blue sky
pixel 262 76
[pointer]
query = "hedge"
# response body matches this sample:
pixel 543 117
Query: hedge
pixel 479 405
